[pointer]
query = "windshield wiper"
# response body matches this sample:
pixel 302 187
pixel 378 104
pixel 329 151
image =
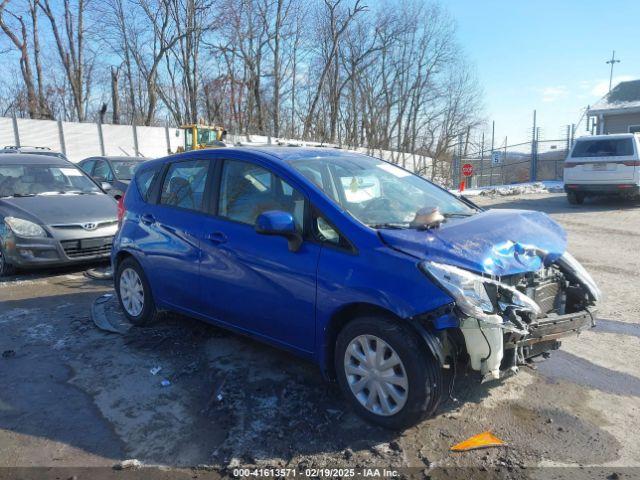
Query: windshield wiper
pixel 392 226
pixel 457 215
pixel 19 195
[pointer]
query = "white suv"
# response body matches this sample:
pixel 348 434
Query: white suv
pixel 603 165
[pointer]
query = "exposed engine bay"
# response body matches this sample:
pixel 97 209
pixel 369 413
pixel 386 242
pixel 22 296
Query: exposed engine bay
pixel 506 321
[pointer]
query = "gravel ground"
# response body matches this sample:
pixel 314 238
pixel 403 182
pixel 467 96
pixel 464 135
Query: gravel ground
pixel 72 395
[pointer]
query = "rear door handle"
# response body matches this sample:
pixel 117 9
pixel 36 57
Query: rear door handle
pixel 147 219
pixel 217 238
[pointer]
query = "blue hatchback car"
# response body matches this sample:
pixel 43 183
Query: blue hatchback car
pixel 381 277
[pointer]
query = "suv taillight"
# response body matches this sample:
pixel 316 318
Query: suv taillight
pixel 121 210
pixel 632 163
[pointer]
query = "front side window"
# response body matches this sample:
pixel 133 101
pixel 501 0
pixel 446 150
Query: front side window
pixel 31 180
pixel 184 185
pixel 378 193
pixel 616 147
pixel 247 190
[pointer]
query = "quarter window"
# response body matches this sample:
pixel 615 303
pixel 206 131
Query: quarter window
pixel 248 190
pixel 184 185
pixel 144 180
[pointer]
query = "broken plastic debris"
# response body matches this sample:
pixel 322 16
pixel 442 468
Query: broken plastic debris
pixel 482 440
pixel 165 383
pixel 155 370
pixel 131 464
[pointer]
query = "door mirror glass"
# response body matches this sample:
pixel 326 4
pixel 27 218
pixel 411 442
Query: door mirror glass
pixel 276 222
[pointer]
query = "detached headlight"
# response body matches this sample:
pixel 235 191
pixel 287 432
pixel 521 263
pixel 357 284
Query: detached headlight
pixel 24 228
pixel 469 292
pixel 573 267
pixel 466 288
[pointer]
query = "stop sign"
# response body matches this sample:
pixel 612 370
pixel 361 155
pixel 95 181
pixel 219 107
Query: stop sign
pixel 467 170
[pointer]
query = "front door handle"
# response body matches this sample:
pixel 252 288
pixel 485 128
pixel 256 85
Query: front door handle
pixel 217 238
pixel 147 219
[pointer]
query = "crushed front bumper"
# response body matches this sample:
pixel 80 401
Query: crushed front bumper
pixel 556 327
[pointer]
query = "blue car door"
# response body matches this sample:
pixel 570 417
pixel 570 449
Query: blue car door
pixel 252 281
pixel 172 246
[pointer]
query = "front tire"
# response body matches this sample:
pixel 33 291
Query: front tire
pixel 6 268
pixel 386 372
pixel 134 293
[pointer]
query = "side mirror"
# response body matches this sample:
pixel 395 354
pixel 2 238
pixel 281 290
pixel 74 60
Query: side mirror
pixel 106 186
pixel 276 222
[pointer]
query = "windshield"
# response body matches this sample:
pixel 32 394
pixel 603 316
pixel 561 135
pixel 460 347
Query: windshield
pixel 124 169
pixel 378 193
pixel 28 180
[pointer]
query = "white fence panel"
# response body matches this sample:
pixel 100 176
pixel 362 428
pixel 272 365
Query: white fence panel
pixel 81 140
pixel 118 140
pixel 6 132
pixel 39 133
pixel 152 141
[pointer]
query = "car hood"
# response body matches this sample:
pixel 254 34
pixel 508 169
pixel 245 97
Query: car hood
pixel 496 242
pixel 61 209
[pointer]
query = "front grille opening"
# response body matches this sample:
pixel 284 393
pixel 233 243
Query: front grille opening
pixel 91 247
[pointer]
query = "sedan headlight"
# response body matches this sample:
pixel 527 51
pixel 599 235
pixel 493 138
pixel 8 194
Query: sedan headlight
pixel 573 267
pixel 470 293
pixel 24 228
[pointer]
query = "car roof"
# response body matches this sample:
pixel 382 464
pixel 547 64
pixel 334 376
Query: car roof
pixel 116 158
pixel 611 136
pixel 274 154
pixel 32 159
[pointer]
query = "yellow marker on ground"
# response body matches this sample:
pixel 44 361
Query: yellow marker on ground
pixel 482 440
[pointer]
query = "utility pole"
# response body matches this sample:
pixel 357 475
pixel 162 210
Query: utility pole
pixel 612 62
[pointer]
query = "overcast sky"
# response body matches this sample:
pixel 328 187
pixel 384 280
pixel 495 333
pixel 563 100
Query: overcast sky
pixel 547 55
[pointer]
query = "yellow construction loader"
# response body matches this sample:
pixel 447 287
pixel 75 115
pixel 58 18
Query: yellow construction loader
pixel 197 137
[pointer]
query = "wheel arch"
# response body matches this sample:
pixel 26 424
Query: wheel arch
pixel 355 310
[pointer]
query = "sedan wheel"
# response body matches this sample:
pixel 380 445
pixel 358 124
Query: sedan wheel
pixel 376 375
pixel 131 292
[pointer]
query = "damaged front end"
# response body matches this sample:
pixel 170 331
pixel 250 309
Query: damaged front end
pixel 507 320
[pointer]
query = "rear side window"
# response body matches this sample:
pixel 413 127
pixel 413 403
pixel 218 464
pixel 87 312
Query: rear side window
pixel 617 147
pixel 184 185
pixel 144 181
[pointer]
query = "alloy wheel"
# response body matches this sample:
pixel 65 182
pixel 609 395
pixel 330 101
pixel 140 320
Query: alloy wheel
pixel 131 292
pixel 376 375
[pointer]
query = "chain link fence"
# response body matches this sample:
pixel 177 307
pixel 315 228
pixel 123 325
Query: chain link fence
pixel 531 161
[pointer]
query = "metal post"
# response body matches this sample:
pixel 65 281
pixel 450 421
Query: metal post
pixel 63 145
pixel 135 140
pixel 16 133
pixel 504 160
pixel 166 132
pixel 101 138
pixel 493 139
pixel 481 161
pixel 534 154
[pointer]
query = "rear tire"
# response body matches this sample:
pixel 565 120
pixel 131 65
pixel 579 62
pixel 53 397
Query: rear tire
pixel 134 293
pixel 393 406
pixel 575 198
